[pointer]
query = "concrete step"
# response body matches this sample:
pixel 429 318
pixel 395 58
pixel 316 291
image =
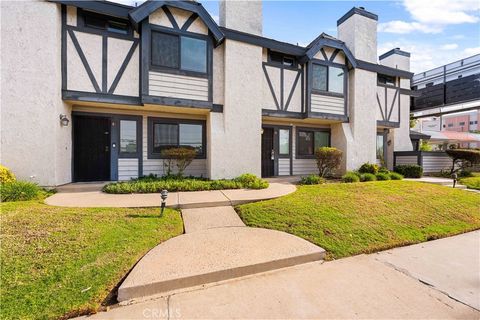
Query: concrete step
pixel 213 255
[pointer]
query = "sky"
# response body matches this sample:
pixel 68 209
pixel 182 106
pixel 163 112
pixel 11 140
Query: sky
pixel 435 32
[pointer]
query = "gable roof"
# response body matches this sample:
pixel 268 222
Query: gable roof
pixel 104 7
pixel 137 15
pixel 325 40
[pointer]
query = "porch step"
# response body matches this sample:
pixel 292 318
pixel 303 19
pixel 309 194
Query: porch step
pixel 214 255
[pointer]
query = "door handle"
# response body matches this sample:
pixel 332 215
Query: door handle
pixel 272 155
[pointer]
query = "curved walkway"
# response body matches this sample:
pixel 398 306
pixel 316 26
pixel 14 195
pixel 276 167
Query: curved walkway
pixel 83 197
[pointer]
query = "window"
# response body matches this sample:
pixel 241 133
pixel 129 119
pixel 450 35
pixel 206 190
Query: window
pixel 280 58
pixel 380 147
pixel 128 136
pixel 179 52
pixel 461 123
pixel 284 142
pixel 384 79
pixel 103 22
pixel 327 78
pixel 169 133
pixel 450 125
pixel 430 84
pixel 309 140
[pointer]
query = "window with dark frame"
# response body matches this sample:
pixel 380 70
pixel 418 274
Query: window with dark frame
pixel 128 137
pixel 178 52
pixel 104 22
pixel 309 140
pixel 328 78
pixel 282 59
pixel 166 134
pixel 284 142
pixel 384 79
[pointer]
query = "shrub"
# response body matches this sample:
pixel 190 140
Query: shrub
pixel 382 176
pixel 328 160
pixel 424 146
pixel 465 174
pixel 6 175
pixel 181 157
pixel 251 181
pixel 395 176
pixel 463 158
pixel 383 170
pixel 350 177
pixel 409 170
pixel 19 191
pixel 312 179
pixel 364 177
pixel 369 168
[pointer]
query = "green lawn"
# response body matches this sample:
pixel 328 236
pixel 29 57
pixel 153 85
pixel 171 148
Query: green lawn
pixel 351 218
pixel 471 182
pixel 59 262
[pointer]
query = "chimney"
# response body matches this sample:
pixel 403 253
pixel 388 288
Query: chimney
pixel 358 29
pixel 245 16
pixel 396 58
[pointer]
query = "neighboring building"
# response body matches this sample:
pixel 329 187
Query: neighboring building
pixel 96 90
pixel 451 88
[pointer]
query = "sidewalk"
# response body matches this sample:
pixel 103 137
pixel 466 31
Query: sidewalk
pixel 83 196
pixel 380 286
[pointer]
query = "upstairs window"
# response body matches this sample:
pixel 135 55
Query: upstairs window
pixel 384 79
pixel 282 59
pixel 327 78
pixel 102 22
pixel 179 52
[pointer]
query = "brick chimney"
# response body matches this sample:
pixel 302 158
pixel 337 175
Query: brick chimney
pixel 245 16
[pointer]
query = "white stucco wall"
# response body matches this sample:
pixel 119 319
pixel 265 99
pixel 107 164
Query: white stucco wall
pixel 360 35
pixel 33 144
pixel 234 136
pixel 242 15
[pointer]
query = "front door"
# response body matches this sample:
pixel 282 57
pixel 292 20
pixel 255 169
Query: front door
pixel 268 155
pixel 91 153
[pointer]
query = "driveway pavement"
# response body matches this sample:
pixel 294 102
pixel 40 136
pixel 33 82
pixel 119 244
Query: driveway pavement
pixel 379 286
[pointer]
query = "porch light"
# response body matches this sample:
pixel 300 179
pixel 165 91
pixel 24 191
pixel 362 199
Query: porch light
pixel 64 120
pixel 163 195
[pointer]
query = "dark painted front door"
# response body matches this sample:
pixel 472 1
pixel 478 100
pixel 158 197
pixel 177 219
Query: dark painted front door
pixel 91 148
pixel 267 153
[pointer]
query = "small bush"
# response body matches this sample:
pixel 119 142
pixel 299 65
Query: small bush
pixel 6 175
pixel 328 160
pixel 350 177
pixel 383 170
pixel 395 176
pixel 382 176
pixel 409 170
pixel 19 191
pixel 465 174
pixel 364 177
pixel 251 181
pixel 181 157
pixel 312 179
pixel 369 168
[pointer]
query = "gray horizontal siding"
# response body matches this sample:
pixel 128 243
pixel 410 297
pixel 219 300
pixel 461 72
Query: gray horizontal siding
pixel 177 86
pixel 401 160
pixel 432 164
pixel 127 169
pixel 327 104
pixel 283 167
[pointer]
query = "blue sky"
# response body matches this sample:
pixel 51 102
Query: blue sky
pixel 434 31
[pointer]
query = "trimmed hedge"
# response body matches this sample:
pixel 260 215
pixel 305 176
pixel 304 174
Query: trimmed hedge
pixel 365 177
pixel 350 177
pixel 395 176
pixel 153 184
pixel 312 179
pixel 409 170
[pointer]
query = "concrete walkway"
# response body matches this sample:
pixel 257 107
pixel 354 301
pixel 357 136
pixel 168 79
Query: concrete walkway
pixel 90 195
pixel 377 286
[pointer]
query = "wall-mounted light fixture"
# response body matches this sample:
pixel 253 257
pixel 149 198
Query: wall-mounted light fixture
pixel 64 120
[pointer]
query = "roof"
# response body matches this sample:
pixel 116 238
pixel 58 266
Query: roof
pixel 418 135
pixel 325 40
pixel 452 136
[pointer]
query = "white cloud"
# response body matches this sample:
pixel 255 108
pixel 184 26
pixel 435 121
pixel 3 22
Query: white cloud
pixel 402 27
pixel 471 51
pixel 432 16
pixel 443 12
pixel 449 46
pixel 425 56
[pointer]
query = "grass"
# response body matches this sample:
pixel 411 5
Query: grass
pixel 471 182
pixel 152 184
pixel 61 262
pixel 354 218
